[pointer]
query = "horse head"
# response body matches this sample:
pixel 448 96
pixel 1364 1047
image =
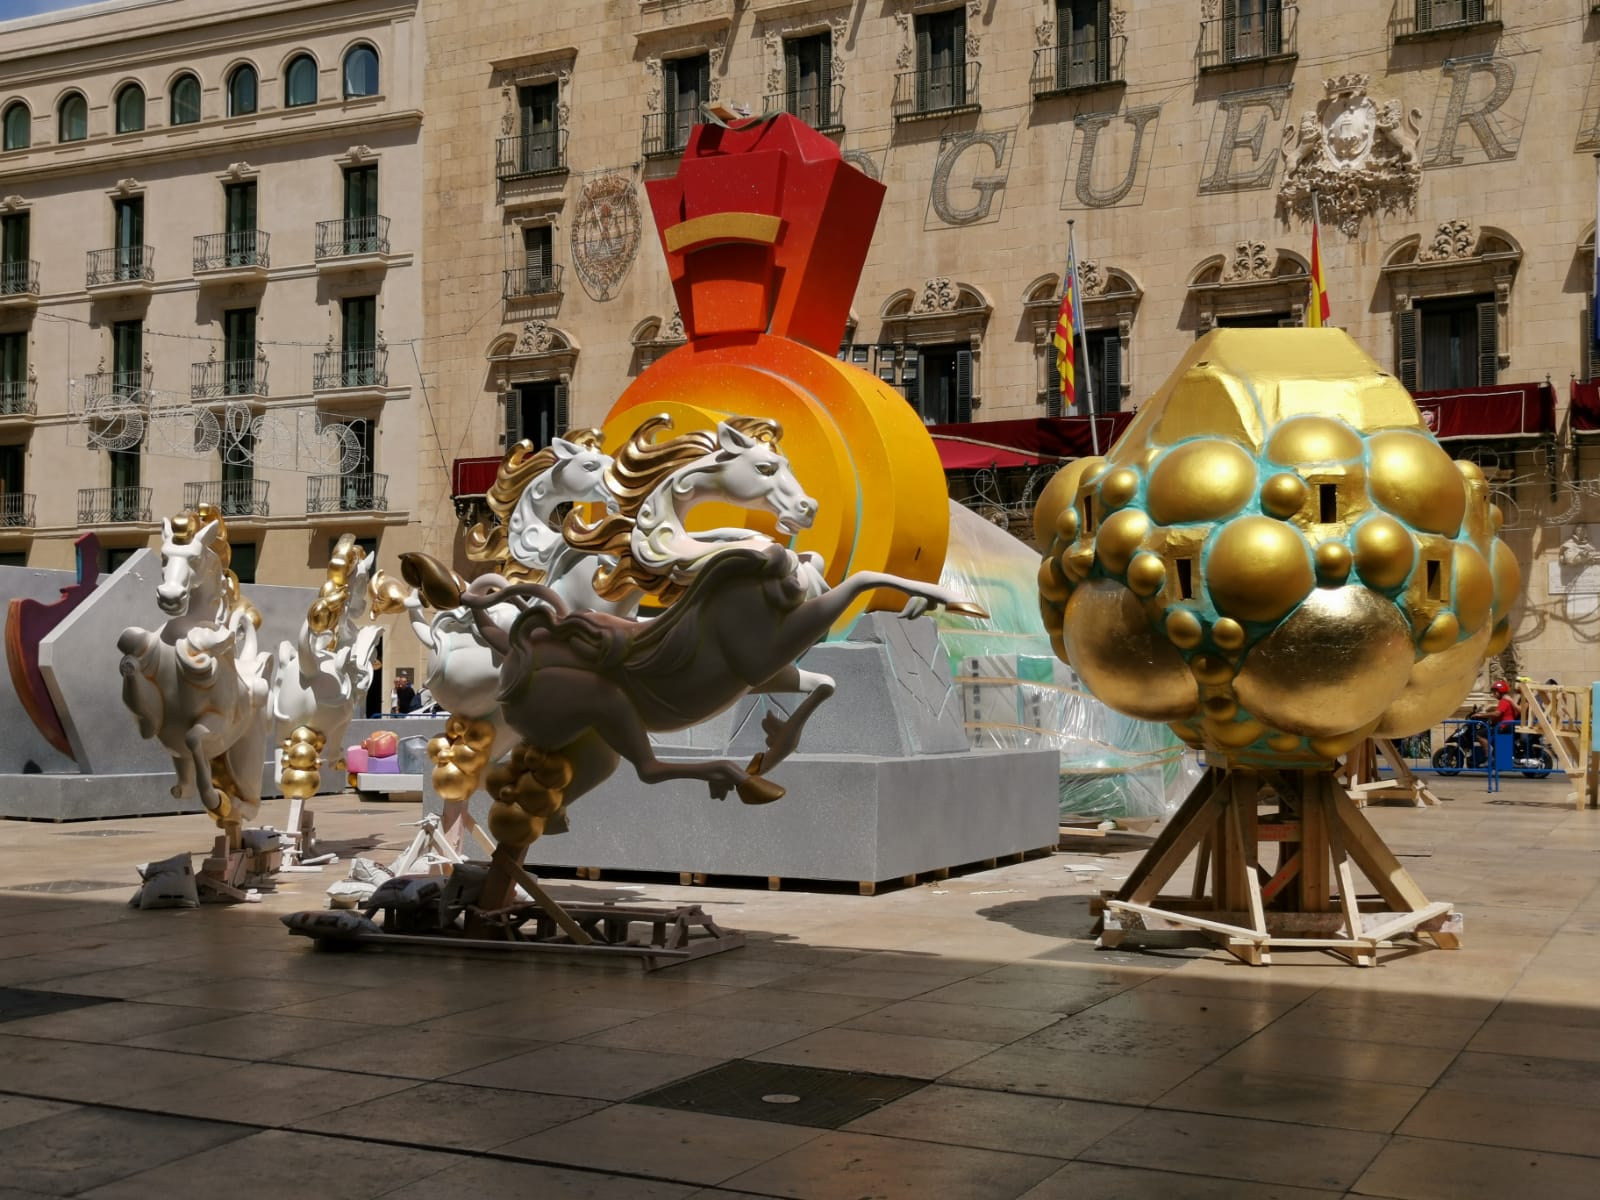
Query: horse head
pixel 579 474
pixel 748 470
pixel 188 567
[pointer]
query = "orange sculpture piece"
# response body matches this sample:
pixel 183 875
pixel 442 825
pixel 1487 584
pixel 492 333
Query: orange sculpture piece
pixel 765 229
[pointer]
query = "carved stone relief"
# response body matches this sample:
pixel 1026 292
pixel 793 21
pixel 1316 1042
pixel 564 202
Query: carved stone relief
pixel 868 162
pixel 652 84
pixel 988 179
pixel 974 38
pixel 908 51
pixel 1248 261
pixel 1101 143
pixel 536 338
pixel 1487 95
pixel 605 232
pixel 1240 128
pixel 938 295
pixel 1451 240
pixel 1357 156
pixel 672 328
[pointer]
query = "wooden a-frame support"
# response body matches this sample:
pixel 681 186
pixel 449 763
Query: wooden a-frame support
pixel 1306 899
pixel 1361 775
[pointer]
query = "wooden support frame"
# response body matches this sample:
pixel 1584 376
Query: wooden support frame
pixel 1564 718
pixel 1362 775
pixel 1309 900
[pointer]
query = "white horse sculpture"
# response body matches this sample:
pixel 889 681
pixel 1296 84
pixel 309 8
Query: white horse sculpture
pixel 319 681
pixel 198 685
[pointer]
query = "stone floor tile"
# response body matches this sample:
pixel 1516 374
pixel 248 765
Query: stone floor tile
pixel 267 1094
pixel 250 995
pixel 681 1028
pixel 865 981
pixel 1063 998
pixel 663 1143
pixel 1096 1181
pixel 1540 1039
pixel 1037 1070
pixel 448 1116
pixel 491 1178
pixel 1304 1098
pixel 82 1149
pixel 536 1022
pixel 282 1163
pixel 19 1110
pixel 91 1073
pixel 123 983
pixel 1232 1148
pixel 255 1037
pixel 963 1022
pixel 601 1072
pixel 116 1021
pixel 815 1010
pixel 1043 1125
pixel 1339 1058
pixel 1504 1121
pixel 1182 1008
pixel 877 1053
pixel 1525 1077
pixel 848 1166
pixel 1087 1031
pixel 1422 1169
pixel 1391 1026
pixel 407 1054
pixel 384 1005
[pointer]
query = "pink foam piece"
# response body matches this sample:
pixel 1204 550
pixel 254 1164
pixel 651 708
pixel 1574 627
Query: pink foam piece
pixel 355 759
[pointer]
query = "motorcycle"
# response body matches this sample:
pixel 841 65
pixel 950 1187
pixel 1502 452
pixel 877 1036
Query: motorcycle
pixel 1468 749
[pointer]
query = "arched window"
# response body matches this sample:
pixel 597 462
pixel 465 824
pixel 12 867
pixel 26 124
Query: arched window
pixel 184 104
pixel 242 91
pixel 74 119
pixel 18 123
pixel 300 82
pixel 130 109
pixel 360 72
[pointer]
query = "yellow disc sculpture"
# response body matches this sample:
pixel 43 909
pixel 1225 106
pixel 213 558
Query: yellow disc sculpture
pixel 1277 558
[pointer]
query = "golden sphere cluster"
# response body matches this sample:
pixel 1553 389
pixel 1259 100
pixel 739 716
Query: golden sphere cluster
pixel 528 789
pixel 1277 558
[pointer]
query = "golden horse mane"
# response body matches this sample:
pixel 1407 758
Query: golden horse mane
pixel 636 471
pixel 486 542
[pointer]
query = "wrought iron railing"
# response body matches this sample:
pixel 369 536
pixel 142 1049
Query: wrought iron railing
pixel 365 366
pixel 231 497
pixel 18 397
pixel 936 89
pixel 102 505
pixel 102 385
pixel 525 283
pixel 121 264
pixel 19 277
pixel 216 380
pixel 1268 31
pixel 1420 18
pixel 525 154
pixel 820 108
pixel 667 132
pixel 236 248
pixel 347 493
pixel 1079 63
pixel 16 510
pixel 352 235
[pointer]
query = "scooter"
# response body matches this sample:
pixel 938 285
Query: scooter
pixel 1468 749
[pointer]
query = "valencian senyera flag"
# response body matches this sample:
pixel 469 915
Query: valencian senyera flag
pixel 1066 334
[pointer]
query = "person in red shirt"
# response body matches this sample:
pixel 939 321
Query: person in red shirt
pixel 1506 714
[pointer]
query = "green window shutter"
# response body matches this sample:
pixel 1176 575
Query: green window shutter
pixel 563 408
pixel 1108 385
pixel 511 418
pixel 1488 343
pixel 1407 330
pixel 963 413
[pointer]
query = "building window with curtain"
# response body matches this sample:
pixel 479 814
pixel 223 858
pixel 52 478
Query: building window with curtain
pixel 73 119
pixel 536 410
pixel 16 127
pixel 242 89
pixel 1100 350
pixel 300 82
pixel 130 109
pixel 1083 52
pixel 940 388
pixel 360 72
pixel 808 81
pixel 1448 343
pixel 686 85
pixel 183 104
pixel 941 80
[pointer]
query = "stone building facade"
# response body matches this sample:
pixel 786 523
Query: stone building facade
pixel 1449 145
pixel 211 285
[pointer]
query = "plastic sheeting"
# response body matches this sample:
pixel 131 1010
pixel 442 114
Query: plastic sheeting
pixel 1016 694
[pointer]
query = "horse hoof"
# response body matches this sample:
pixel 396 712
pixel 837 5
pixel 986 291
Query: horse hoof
pixel 757 790
pixel 967 608
pixel 755 765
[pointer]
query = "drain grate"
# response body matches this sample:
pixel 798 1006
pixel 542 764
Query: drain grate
pixel 786 1095
pixel 70 885
pixel 16 1003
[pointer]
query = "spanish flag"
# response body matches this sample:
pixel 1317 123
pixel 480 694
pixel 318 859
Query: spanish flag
pixel 1317 312
pixel 1066 336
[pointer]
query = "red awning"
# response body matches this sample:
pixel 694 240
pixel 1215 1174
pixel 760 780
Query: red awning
pixel 1585 408
pixel 1512 410
pixel 472 476
pixel 975 445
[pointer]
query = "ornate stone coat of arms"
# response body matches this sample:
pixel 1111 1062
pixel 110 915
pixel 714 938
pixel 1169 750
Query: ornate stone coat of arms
pixel 1358 156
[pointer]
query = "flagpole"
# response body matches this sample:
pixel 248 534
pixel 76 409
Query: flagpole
pixel 1322 270
pixel 1594 290
pixel 1077 330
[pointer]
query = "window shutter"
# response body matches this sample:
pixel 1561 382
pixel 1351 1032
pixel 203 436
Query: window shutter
pixel 825 114
pixel 1488 343
pixel 791 75
pixel 911 381
pixel 669 92
pixel 963 413
pixel 1108 388
pixel 1474 11
pixel 563 409
pixel 1407 329
pixel 1591 347
pixel 702 89
pixel 924 63
pixel 1102 42
pixel 511 408
pixel 1052 383
pixel 1424 14
pixel 958 61
pixel 1230 30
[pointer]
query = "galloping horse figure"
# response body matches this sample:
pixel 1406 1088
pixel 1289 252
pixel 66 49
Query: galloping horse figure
pixel 584 690
pixel 198 685
pixel 318 682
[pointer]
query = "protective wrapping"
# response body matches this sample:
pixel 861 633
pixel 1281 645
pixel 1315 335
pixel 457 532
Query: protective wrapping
pixel 1016 694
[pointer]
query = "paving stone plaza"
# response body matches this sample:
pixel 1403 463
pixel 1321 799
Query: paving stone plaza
pixel 205 1052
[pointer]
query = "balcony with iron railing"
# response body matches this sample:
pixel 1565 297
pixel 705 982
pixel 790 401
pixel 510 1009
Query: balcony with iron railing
pixel 524 155
pixel 233 498
pixel 364 367
pixel 113 505
pixel 101 386
pixel 936 91
pixel 352 243
pixel 532 283
pixel 1078 66
pixel 121 270
pixel 233 257
pixel 19 397
pixel 1267 33
pixel 820 108
pixel 19 282
pixel 227 378
pixel 666 133
pixel 1418 20
pixel 347 493
pixel 16 510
